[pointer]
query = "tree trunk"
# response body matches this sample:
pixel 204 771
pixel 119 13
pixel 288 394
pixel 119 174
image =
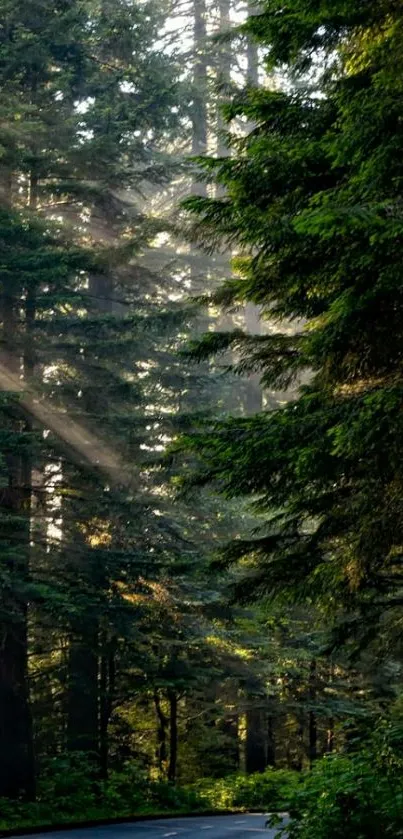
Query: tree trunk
pixel 271 742
pixel 255 747
pixel 253 401
pixel 17 771
pixel 106 691
pixel 229 727
pixel 298 761
pixel 173 736
pixel 313 731
pixel 330 730
pixel 103 715
pixel 199 109
pixel 330 737
pixel 17 765
pixel 100 292
pixel 253 396
pixel 252 58
pixel 162 726
pixel 223 78
pixel 82 697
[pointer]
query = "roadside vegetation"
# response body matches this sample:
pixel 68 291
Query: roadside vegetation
pixel 68 792
pixel 355 794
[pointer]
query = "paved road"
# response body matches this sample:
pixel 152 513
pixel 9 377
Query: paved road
pixel 215 827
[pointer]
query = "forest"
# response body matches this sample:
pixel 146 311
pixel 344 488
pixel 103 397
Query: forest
pixel 201 426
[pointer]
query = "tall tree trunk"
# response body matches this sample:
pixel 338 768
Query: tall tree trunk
pixel 17 765
pixel 223 77
pixel 252 58
pixel 330 736
pixel 313 731
pixel 229 727
pixel 100 292
pixel 106 691
pixel 199 108
pixel 330 729
pixel 225 322
pixel 199 117
pixel 17 769
pixel 173 736
pixel 255 747
pixel 271 741
pixel 253 397
pixel 252 315
pixel 300 751
pixel 90 667
pixel 83 693
pixel 162 727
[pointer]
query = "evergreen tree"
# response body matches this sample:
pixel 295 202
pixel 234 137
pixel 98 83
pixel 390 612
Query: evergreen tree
pixel 312 198
pixel 91 336
pixel 91 141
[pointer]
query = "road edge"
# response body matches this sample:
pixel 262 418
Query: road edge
pixel 73 825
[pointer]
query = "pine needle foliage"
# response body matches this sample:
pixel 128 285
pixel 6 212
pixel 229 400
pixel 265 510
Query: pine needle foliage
pixel 313 205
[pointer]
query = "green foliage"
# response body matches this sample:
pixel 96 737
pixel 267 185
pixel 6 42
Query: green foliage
pixel 358 794
pixel 70 791
pixel 90 105
pixel 312 203
pixel 269 790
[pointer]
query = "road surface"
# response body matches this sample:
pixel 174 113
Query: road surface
pixel 197 827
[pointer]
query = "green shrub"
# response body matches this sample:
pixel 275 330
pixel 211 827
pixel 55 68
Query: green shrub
pixel 66 791
pixel 127 791
pixel 269 790
pixel 69 790
pixel 166 796
pixel 69 783
pixel 353 796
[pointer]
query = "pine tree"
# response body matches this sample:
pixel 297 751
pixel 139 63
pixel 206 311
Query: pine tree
pixel 29 251
pixel 312 198
pixel 96 335
pixel 91 139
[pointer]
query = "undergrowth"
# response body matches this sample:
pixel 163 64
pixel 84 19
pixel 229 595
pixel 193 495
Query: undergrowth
pixel 68 792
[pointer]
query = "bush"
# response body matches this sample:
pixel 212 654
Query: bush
pixel 354 796
pixel 66 788
pixel 269 790
pixel 70 791
pixel 127 791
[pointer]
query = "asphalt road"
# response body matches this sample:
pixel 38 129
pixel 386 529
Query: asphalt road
pixel 214 827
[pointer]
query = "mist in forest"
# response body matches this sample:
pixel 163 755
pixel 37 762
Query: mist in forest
pixel 199 368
